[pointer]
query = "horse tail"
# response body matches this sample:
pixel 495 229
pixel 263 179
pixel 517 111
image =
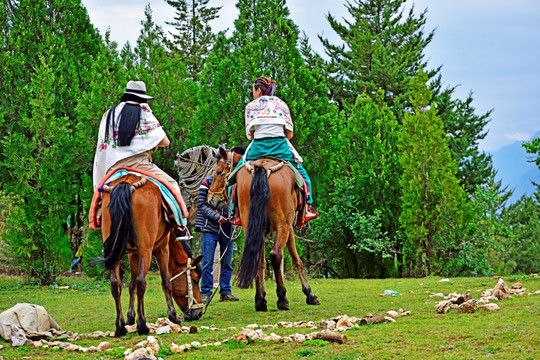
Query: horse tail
pixel 256 229
pixel 122 228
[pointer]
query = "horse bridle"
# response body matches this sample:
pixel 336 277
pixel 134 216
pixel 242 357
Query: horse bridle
pixel 223 195
pixel 192 302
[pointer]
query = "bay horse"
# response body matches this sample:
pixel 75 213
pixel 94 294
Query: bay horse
pixel 267 202
pixel 133 221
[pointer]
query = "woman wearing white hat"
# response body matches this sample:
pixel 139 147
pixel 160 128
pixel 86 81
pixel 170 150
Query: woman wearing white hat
pixel 128 133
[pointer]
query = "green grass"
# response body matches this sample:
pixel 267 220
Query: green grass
pixel 510 333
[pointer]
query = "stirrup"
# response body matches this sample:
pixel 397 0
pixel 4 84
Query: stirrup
pixel 182 234
pixel 310 213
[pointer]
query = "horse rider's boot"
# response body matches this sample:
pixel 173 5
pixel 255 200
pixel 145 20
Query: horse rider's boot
pixel 182 233
pixel 310 212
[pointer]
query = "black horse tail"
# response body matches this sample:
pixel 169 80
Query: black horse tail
pixel 120 210
pixel 256 229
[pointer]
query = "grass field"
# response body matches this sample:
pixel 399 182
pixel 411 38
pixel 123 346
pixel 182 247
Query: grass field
pixel 513 332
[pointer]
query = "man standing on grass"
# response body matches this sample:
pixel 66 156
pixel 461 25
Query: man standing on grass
pixel 216 229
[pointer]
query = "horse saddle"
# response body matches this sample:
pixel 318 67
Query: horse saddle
pixel 173 205
pixel 302 191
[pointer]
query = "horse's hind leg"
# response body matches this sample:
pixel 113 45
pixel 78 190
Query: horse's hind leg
pixel 116 291
pixel 311 299
pixel 260 293
pixel 133 260
pixel 276 257
pixel 162 257
pixel 143 266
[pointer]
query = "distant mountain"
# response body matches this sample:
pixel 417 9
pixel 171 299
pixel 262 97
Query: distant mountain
pixel 514 169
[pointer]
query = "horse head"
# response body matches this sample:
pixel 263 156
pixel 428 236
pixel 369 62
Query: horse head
pixel 185 273
pixel 218 196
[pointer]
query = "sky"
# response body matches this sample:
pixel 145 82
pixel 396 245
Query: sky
pixel 488 47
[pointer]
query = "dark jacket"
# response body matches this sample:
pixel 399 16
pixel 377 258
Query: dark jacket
pixel 207 216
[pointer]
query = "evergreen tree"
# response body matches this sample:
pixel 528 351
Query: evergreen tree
pixel 523 243
pixel 465 129
pixel 194 37
pixel 364 164
pixel 432 200
pixel 49 52
pixel 533 147
pixel 382 48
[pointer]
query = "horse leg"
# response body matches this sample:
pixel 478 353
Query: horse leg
pixel 162 257
pixel 144 266
pixel 311 299
pixel 134 266
pixel 116 291
pixel 260 293
pixel 276 256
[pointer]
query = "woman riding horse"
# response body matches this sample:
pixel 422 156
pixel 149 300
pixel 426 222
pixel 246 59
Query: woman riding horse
pixel 133 218
pixel 267 201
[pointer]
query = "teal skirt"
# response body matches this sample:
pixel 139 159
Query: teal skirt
pixel 271 146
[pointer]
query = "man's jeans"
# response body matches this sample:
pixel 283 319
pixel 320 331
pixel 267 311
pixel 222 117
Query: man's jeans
pixel 210 241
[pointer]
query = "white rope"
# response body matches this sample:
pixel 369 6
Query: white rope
pixel 193 165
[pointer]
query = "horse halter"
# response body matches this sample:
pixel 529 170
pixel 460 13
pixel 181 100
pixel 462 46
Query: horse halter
pixel 192 302
pixel 220 199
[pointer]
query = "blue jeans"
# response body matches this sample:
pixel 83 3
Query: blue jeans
pixel 210 241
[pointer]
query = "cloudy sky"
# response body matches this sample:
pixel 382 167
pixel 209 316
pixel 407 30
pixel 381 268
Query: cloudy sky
pixel 489 47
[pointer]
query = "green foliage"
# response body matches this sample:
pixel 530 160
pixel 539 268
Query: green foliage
pixel 434 204
pixel 522 244
pixel 193 37
pixel 305 352
pixel 383 49
pixel 346 234
pixel 533 147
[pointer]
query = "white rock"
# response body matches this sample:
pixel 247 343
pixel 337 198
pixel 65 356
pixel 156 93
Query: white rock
pixel 252 326
pixel 392 314
pixel 444 280
pixel 217 343
pixel 439 295
pixel 140 354
pixel 389 319
pixel 104 346
pixel 128 351
pixel 275 338
pixel 489 307
pixel 195 344
pixel 163 330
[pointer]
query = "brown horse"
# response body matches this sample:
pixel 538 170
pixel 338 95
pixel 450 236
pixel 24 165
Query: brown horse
pixel 133 221
pixel 267 202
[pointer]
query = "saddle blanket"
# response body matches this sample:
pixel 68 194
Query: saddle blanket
pixel 175 203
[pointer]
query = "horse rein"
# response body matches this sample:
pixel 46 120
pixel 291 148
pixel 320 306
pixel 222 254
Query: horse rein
pixel 192 302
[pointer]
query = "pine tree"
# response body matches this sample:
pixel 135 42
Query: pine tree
pixel 50 49
pixel 465 129
pixel 433 203
pixel 382 48
pixel 193 38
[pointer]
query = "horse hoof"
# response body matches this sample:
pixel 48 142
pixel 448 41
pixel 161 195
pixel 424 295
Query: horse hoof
pixel 313 301
pixel 261 308
pixel 143 330
pixel 283 306
pixel 120 332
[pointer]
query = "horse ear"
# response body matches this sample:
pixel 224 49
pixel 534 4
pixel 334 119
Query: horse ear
pixel 197 260
pixel 223 153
